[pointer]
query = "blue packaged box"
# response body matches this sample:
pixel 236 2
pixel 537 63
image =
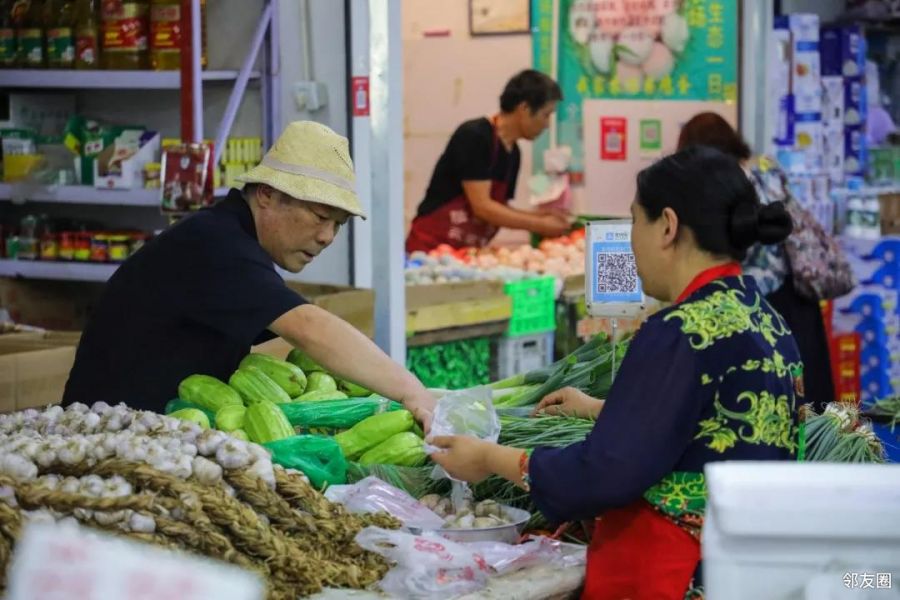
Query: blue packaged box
pixel 843 51
pixel 855 101
pixel 856 151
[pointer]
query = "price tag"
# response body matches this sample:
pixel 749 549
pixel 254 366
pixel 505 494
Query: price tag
pixel 612 286
pixel 71 563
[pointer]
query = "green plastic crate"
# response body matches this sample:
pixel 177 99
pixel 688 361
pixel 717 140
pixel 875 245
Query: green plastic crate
pixel 533 305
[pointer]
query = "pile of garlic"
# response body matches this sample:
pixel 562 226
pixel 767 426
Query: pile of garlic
pixel 79 436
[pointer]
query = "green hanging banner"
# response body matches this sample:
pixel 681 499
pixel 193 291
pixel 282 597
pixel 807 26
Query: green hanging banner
pixel 635 50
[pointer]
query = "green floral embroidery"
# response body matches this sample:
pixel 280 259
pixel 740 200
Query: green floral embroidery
pixel 705 379
pixel 678 494
pixel 775 365
pixel 767 421
pixel 723 314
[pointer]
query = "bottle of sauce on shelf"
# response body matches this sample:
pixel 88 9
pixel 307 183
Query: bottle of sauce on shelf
pixel 29 33
pixel 166 32
pixel 7 35
pixel 87 35
pixel 126 27
pixel 59 21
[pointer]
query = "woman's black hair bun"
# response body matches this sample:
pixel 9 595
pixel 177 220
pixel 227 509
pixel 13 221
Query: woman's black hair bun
pixel 753 223
pixel 773 223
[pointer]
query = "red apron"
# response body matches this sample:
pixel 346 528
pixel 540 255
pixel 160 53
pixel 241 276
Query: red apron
pixel 636 553
pixel 454 223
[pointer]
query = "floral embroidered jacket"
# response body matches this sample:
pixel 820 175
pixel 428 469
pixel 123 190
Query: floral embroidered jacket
pixel 716 377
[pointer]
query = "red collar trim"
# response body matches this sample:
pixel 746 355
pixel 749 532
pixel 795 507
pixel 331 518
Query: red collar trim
pixel 731 269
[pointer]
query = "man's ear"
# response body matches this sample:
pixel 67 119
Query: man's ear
pixel 266 196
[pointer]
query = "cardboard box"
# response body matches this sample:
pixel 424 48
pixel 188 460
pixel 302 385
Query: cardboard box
pixel 131 176
pixel 856 106
pixel 33 373
pixel 855 151
pixel 442 306
pixel 53 305
pixel 843 50
pixel 833 104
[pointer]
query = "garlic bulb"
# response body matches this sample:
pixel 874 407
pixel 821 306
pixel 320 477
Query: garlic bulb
pixel 141 523
pixel 18 467
pixel 206 471
pixel 635 44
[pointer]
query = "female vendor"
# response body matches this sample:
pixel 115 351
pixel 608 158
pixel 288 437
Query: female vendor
pixel 716 376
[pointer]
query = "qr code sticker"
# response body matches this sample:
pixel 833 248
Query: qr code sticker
pixel 613 142
pixel 616 273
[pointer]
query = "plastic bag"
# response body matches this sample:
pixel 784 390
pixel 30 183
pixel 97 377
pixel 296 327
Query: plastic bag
pixel 465 412
pixel 373 495
pixel 415 481
pixel 427 565
pixel 318 458
pixel 335 414
pixel 506 558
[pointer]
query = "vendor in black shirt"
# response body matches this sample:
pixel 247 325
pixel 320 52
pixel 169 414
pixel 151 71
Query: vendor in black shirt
pixel 196 298
pixel 466 201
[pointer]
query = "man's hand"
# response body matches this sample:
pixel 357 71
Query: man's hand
pixel 571 403
pixel 552 224
pixel 462 456
pixel 421 405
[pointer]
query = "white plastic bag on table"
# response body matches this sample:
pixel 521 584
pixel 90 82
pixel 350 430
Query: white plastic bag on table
pixel 540 550
pixel 427 565
pixel 374 495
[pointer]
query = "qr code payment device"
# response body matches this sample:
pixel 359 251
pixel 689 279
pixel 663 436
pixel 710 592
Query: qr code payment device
pixel 612 286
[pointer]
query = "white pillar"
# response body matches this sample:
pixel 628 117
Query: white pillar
pixel 386 89
pixel 361 136
pixel 756 102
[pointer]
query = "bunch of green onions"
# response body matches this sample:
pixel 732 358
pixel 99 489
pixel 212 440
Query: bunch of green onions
pixel 589 369
pixel 886 409
pixel 838 435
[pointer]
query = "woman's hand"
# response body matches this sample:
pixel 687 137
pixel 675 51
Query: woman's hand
pixel 422 407
pixel 569 402
pixel 463 457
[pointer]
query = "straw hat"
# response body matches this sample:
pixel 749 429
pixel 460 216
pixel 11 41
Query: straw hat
pixel 310 162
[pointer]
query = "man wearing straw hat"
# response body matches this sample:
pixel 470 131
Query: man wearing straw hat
pixel 196 298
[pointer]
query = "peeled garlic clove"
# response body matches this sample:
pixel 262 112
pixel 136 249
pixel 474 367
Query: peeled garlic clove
pixel 581 20
pixel 659 63
pixel 601 50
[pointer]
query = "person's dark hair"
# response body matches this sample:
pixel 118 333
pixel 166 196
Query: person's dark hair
pixel 531 87
pixel 712 197
pixel 711 129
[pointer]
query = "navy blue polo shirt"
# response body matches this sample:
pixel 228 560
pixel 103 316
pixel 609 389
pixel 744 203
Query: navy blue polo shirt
pixel 193 300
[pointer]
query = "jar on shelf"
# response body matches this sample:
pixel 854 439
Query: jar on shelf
pixel 100 248
pixel 152 175
pixel 119 247
pixel 67 244
pixel 49 246
pixel 82 246
pixel 59 25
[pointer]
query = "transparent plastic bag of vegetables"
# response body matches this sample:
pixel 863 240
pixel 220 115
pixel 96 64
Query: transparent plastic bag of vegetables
pixel 318 458
pixel 466 412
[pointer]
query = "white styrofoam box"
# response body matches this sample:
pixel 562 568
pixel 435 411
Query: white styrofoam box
pixel 772 527
pixel 833 103
pixel 523 353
